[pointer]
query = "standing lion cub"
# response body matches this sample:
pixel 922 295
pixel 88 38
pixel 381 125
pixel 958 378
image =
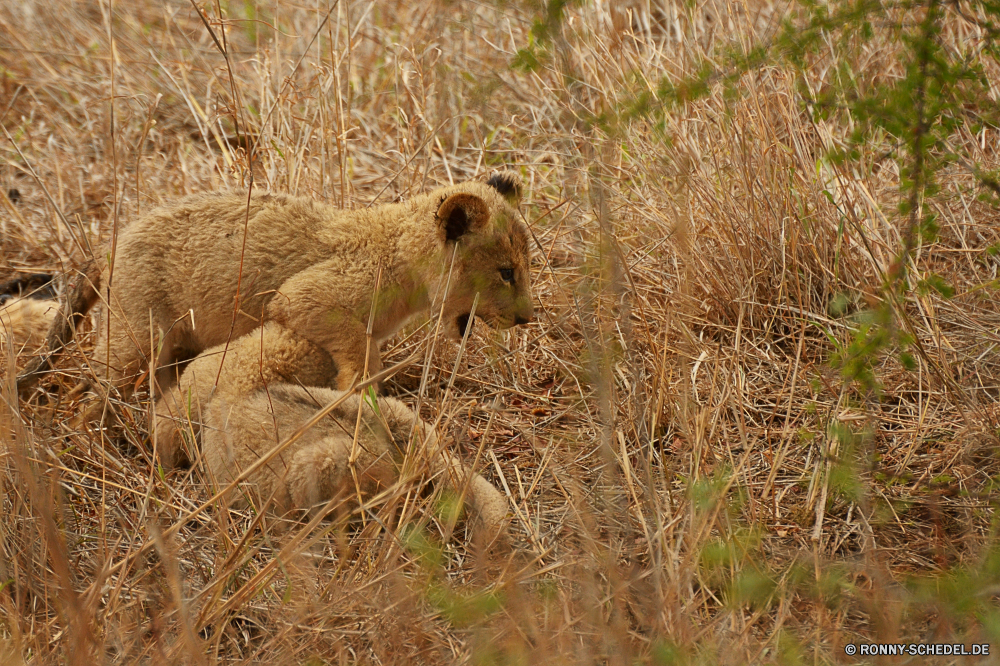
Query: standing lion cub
pixel 214 267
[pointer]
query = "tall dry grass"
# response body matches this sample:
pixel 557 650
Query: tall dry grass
pixel 690 480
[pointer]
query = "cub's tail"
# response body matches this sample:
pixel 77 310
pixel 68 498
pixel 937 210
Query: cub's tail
pixel 81 294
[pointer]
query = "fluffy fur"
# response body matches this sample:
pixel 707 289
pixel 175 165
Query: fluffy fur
pixel 253 407
pixel 307 265
pixel 27 310
pixel 270 355
pixel 23 325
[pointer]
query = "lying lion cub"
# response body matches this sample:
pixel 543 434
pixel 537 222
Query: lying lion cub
pixel 316 468
pixel 23 323
pixel 255 406
pixel 270 355
pixel 27 308
pixel 214 267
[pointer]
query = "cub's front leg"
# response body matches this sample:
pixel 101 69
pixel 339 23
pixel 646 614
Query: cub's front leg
pixel 330 308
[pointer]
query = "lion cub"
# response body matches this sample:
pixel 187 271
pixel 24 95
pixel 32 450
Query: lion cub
pixel 27 309
pixel 23 324
pixel 255 406
pixel 214 267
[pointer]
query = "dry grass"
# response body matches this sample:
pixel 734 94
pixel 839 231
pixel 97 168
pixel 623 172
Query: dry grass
pixel 689 479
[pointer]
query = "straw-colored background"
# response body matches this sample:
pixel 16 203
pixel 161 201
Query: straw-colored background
pixel 670 434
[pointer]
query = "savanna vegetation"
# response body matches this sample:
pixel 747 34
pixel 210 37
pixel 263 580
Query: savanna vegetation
pixel 754 421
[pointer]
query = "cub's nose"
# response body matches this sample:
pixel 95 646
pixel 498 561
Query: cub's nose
pixel 522 319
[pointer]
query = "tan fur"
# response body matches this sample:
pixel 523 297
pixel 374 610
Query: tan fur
pixel 316 468
pixel 24 324
pixel 253 407
pixel 307 265
pixel 271 354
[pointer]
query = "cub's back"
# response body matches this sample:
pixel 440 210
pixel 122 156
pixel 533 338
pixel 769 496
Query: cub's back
pixel 189 255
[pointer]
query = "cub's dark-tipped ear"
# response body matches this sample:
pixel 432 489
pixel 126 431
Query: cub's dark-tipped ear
pixel 461 213
pixel 509 184
pixel 35 285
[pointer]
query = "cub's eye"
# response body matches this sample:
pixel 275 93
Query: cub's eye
pixel 507 275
